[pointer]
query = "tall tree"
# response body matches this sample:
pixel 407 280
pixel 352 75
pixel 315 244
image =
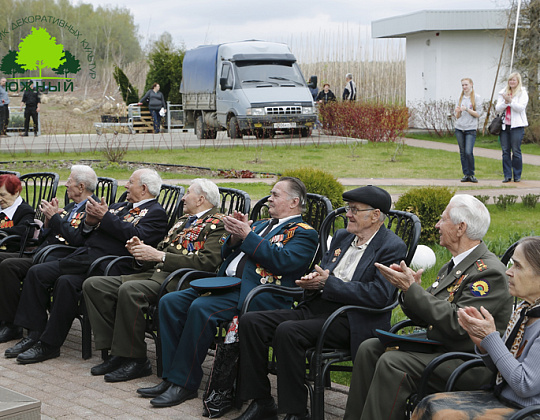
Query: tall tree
pixel 71 65
pixel 39 50
pixel 165 60
pixel 9 64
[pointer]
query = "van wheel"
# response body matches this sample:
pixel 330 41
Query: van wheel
pixel 202 130
pixel 234 130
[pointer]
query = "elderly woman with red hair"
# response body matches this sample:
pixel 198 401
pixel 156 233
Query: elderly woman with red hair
pixel 14 211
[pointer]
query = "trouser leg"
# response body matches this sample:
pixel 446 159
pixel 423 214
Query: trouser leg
pixel 66 296
pixel 516 137
pixel 134 298
pixel 470 139
pixel 194 332
pixel 12 273
pixel 101 296
pixel 506 150
pixel 36 296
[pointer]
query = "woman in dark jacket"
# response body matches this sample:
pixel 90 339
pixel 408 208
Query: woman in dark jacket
pixel 14 211
pixel 156 102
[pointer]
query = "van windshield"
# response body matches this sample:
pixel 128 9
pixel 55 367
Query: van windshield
pixel 275 73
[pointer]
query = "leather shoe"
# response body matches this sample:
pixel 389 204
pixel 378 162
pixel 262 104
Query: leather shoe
pixel 174 395
pixel 258 410
pixel 465 178
pixel 20 347
pixel 130 369
pixel 154 391
pixel 505 180
pixel 39 352
pixel 109 365
pixel 304 416
pixel 473 179
pixel 10 332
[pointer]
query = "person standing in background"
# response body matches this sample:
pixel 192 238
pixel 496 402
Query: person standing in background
pixel 465 128
pixel 513 101
pixel 349 93
pixel 4 108
pixel 156 103
pixel 32 101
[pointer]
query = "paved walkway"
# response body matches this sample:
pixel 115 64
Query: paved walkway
pixel 68 391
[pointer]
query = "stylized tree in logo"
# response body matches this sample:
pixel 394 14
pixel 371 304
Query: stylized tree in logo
pixel 9 64
pixel 71 65
pixel 39 50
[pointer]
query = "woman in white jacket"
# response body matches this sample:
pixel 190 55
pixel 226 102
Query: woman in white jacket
pixel 512 100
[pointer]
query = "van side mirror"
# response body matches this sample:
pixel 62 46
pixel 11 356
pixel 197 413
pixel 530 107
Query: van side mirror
pixel 223 84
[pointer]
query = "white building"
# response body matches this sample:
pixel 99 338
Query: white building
pixel 442 47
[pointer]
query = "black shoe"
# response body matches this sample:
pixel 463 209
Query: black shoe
pixel 517 179
pixel 472 178
pixel 154 391
pixel 25 134
pixel 304 416
pixel 258 410
pixel 20 347
pixel 10 332
pixel 39 352
pixel 505 180
pixel 130 369
pixel 465 178
pixel 109 365
pixel 174 395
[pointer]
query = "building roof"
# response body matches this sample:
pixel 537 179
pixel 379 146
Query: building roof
pixel 439 20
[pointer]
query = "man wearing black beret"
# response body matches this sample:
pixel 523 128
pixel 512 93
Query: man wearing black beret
pixel 346 276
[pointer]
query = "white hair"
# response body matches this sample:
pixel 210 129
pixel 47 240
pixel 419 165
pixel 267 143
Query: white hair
pixel 468 209
pixel 83 174
pixel 348 76
pixel 208 189
pixel 152 180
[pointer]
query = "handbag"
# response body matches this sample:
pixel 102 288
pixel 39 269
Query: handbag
pixel 496 124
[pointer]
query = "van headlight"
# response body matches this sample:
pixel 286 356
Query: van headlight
pixel 255 111
pixel 307 110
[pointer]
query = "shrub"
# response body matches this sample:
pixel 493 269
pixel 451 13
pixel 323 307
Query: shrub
pixel 436 116
pixel 129 92
pixel 483 198
pixel 530 200
pixel 320 182
pixel 427 203
pixel 374 122
pixel 503 201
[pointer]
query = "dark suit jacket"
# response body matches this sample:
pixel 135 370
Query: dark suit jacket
pixel 281 257
pixel 368 287
pixel 148 222
pixel 23 214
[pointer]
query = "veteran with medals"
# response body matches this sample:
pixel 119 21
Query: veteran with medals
pixel 60 227
pixel 346 276
pixel 278 250
pixel 106 230
pixel 117 304
pixel 474 277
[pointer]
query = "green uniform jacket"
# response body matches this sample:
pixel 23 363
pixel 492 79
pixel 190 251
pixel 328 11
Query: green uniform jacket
pixel 197 247
pixel 482 282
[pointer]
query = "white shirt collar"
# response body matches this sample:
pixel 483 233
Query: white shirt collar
pixel 458 258
pixel 10 211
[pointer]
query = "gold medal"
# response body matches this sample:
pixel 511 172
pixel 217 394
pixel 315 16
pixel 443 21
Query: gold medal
pixel 185 251
pixel 178 246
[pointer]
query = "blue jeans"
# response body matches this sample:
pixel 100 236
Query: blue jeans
pixel 156 118
pixel 466 139
pixel 511 151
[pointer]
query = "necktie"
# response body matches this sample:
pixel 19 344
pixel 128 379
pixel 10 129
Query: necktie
pixel 450 266
pixel 242 262
pixel 190 221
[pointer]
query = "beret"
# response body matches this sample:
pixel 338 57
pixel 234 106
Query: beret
pixel 372 196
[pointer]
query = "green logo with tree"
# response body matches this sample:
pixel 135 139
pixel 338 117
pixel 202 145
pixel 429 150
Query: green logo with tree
pixel 37 51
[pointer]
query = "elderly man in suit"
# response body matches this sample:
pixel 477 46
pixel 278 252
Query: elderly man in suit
pixel 382 380
pixel 117 305
pixel 60 227
pixel 347 275
pixel 277 250
pixel 107 230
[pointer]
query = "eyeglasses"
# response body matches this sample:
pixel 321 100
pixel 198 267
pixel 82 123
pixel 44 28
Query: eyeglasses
pixel 355 210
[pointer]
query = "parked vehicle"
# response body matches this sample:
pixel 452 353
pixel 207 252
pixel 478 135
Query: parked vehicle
pixel 246 88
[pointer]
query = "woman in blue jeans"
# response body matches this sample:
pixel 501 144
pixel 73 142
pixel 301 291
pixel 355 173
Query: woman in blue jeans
pixel 156 102
pixel 513 101
pixel 465 128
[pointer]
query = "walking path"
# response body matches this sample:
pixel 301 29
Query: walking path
pixel 68 391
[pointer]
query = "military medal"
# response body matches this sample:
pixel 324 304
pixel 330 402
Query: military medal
pixel 179 246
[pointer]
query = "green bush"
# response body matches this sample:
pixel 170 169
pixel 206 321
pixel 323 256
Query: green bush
pixel 320 182
pixel 483 198
pixel 427 203
pixel 129 92
pixel 530 200
pixel 503 201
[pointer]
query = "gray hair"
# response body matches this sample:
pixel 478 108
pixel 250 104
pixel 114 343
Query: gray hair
pixel 83 174
pixel 208 189
pixel 348 76
pixel 530 246
pixel 468 209
pixel 296 189
pixel 152 180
